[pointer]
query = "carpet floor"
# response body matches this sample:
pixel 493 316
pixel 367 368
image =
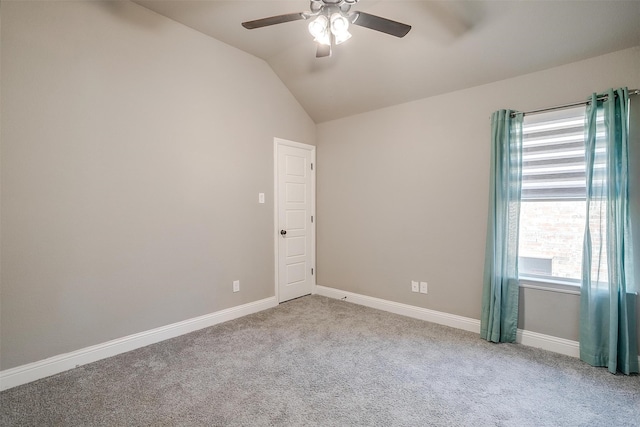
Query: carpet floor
pixel 315 361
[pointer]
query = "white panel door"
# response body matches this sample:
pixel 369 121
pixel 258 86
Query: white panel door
pixel 295 205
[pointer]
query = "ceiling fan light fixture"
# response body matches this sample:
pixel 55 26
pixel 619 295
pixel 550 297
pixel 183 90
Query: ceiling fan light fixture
pixel 330 21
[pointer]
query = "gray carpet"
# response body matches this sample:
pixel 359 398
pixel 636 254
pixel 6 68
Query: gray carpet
pixel 316 361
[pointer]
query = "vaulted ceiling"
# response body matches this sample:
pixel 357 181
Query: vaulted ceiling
pixel 452 45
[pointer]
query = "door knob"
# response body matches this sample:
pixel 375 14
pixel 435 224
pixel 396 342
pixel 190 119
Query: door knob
pixel 283 232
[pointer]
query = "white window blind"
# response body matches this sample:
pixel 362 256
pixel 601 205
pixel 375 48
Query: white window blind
pixel 553 159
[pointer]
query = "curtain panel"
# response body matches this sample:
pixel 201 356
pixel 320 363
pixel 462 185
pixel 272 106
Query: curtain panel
pixel 499 319
pixel 608 292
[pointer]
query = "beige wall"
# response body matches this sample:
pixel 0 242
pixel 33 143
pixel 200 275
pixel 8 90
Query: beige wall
pixel 402 192
pixel 133 152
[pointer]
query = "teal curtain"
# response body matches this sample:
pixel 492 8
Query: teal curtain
pixel 608 301
pixel 499 320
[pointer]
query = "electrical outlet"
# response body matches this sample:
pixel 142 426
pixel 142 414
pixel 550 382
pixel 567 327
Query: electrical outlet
pixel 415 287
pixel 260 197
pixel 423 287
pixel 236 286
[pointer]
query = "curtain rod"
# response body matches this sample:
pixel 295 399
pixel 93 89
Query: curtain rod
pixel 575 104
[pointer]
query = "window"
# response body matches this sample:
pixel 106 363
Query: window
pixel 552 213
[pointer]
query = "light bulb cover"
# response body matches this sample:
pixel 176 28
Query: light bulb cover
pixel 339 24
pixel 342 37
pixel 319 27
pixel 325 39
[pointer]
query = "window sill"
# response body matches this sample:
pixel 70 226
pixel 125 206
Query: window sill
pixel 550 285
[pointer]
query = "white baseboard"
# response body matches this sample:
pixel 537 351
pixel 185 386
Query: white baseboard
pixel 34 371
pixel 453 320
pixel 528 338
pixel 548 342
pixel 551 343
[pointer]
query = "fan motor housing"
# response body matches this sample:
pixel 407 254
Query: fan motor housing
pixel 343 4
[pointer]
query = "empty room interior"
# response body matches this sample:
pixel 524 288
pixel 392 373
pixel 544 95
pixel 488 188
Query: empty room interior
pixel 240 213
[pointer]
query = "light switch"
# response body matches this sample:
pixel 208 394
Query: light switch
pixel 260 197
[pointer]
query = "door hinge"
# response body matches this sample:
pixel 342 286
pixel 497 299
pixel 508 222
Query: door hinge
pixel 311 218
pixel 311 166
pixel 312 271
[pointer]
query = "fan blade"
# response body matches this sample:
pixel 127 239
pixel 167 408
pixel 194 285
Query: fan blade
pixel 383 25
pixel 323 50
pixel 273 20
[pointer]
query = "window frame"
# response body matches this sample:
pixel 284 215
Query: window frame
pixel 543 282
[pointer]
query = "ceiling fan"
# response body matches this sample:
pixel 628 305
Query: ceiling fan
pixel 330 24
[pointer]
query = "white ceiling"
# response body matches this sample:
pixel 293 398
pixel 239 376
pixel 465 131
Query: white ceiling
pixel 453 45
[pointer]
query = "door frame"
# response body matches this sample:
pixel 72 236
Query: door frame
pixel 277 142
